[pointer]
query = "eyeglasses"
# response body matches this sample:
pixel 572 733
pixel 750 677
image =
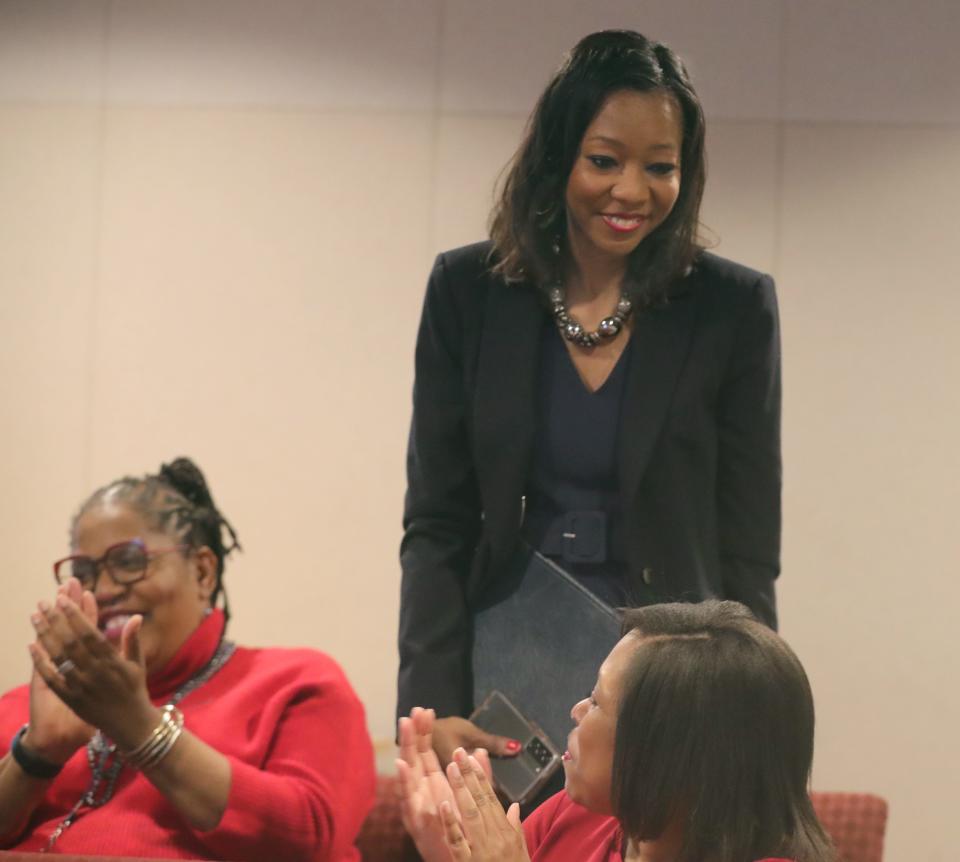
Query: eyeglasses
pixel 125 562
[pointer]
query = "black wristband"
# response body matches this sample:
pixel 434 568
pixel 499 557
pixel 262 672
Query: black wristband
pixel 35 767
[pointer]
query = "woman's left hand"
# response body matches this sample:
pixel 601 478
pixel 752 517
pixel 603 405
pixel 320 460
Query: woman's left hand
pixel 104 686
pixel 483 832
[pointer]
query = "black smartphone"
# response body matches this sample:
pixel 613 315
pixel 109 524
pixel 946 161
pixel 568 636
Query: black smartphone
pixel 517 778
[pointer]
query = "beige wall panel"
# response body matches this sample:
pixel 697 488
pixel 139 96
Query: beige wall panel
pixel 890 61
pixel 358 54
pixel 472 151
pixel 740 206
pixel 262 280
pixel 497 56
pixel 49 195
pixel 869 594
pixel 52 50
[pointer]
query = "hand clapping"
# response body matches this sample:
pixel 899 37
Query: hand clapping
pixel 423 786
pixel 98 683
pixel 482 832
pixel 455 816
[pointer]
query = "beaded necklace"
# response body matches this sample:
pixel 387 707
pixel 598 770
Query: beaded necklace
pixel 573 330
pixel 106 763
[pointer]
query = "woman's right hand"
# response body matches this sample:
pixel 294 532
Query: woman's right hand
pixel 424 787
pixel 55 732
pixel 454 732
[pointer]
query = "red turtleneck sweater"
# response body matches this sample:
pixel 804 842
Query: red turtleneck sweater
pixel 561 831
pixel 301 760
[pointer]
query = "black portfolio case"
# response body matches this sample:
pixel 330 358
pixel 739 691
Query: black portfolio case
pixel 540 639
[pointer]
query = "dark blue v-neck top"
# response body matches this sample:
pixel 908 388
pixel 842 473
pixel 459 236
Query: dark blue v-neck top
pixel 574 486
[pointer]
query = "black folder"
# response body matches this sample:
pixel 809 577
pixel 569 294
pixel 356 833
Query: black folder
pixel 540 639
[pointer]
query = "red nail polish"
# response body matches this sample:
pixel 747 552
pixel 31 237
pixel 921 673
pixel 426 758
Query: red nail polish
pixel 513 746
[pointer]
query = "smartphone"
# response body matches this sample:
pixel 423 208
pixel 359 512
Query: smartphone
pixel 517 778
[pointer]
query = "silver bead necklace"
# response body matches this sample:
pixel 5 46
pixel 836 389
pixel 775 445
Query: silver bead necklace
pixel 573 331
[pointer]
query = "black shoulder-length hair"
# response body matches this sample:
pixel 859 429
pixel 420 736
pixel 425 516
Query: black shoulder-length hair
pixel 715 728
pixel 530 214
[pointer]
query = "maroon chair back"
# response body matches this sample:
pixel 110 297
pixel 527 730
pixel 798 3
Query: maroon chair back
pixel 855 821
pixel 383 838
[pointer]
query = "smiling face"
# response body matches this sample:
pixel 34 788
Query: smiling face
pixel 172 597
pixel 625 179
pixel 588 760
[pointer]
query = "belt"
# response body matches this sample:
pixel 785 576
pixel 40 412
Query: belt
pixel 588 536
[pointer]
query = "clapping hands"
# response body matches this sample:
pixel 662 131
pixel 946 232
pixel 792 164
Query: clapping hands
pixel 454 816
pixel 55 731
pixel 423 786
pixel 82 681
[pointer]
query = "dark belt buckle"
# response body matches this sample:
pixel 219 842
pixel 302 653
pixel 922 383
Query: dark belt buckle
pixel 585 537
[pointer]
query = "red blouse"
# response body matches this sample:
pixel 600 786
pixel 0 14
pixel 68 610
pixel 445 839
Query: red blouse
pixel 301 760
pixel 562 831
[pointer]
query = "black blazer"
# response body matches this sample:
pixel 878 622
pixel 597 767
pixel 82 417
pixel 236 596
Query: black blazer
pixel 699 453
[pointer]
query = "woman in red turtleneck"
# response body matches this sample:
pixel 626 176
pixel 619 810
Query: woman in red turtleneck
pixel 143 732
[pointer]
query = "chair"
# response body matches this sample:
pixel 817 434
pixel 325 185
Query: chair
pixel 382 837
pixel 855 821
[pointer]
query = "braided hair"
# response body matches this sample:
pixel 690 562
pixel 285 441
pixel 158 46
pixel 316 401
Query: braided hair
pixel 175 500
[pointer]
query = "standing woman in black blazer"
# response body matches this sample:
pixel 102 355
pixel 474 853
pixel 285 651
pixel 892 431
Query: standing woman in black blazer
pixel 590 382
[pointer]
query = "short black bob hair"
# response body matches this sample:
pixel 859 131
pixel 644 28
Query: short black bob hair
pixel 715 728
pixel 530 215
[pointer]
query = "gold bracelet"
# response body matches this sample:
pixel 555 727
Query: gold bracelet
pixel 158 744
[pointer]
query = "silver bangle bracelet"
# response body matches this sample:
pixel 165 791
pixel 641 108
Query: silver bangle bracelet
pixel 158 744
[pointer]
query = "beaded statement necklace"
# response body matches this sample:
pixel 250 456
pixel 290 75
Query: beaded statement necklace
pixel 573 331
pixel 106 763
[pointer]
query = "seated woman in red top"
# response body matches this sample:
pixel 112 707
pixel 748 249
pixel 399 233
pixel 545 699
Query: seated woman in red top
pixel 144 732
pixel 694 746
